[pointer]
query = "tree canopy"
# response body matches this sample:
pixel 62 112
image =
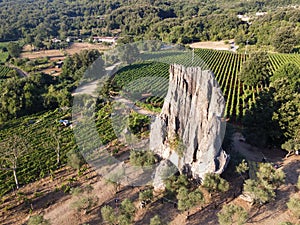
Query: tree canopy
pixel 256 69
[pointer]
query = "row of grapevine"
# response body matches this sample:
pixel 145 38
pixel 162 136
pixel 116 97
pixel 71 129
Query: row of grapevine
pixel 225 65
pixel 40 158
pixel 4 71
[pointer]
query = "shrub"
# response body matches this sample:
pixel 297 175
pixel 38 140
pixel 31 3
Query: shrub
pixel 155 220
pixel 108 214
pixel 146 195
pixel 294 206
pixel 187 199
pixel 38 220
pixel 232 214
pixel 142 158
pixel 262 189
pixel 214 183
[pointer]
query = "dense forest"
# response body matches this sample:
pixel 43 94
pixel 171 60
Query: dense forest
pixel 37 22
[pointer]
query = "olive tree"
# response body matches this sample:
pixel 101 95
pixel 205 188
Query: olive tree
pixel 13 149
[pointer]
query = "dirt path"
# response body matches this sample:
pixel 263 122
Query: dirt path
pixel 129 104
pixel 91 87
pixel 21 72
pixel 253 153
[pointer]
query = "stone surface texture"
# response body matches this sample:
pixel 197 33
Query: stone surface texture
pixel 192 117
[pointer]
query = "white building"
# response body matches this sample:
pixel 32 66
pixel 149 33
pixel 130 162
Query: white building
pixel 111 40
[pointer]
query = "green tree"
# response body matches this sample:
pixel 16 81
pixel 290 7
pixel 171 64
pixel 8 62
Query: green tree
pixel 108 215
pixel 260 127
pixel 291 72
pixel 242 168
pixel 128 209
pixel 142 158
pixel 75 159
pixel 255 69
pixel 284 40
pixel 83 199
pixel 38 220
pixel 268 175
pixel 14 148
pixel 128 53
pixel 146 195
pixel 155 220
pixel 174 183
pixel 259 192
pixel 285 87
pixel 294 206
pixel 187 199
pixel 214 183
pixel 262 189
pixel 14 49
pixel 231 214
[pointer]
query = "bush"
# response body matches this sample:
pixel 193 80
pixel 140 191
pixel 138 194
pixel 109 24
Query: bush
pixel 38 220
pixel 84 201
pixel 142 158
pixel 108 214
pixel 268 179
pixel 187 199
pixel 294 206
pixel 138 122
pixel 75 159
pixel 174 183
pixel 232 214
pixel 155 220
pixel 177 145
pixel 286 223
pixel 124 216
pixel 214 183
pixel 146 195
pixel 127 208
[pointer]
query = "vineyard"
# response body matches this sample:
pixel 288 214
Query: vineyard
pixel 39 159
pixel 145 82
pixel 225 65
pixel 4 72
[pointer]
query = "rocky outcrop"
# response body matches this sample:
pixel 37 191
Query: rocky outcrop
pixel 190 129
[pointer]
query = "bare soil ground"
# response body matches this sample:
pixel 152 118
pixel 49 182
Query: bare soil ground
pixel 217 45
pixel 60 54
pixel 46 197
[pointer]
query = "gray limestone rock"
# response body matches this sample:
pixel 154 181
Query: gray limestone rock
pixel 190 128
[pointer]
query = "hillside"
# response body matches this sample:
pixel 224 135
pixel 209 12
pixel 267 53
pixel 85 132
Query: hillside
pixel 151 112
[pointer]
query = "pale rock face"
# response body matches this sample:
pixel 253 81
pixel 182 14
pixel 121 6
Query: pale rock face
pixel 193 114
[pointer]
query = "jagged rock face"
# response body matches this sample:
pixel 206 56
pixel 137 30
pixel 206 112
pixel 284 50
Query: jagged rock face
pixel 192 114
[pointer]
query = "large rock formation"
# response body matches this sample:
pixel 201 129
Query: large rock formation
pixel 190 129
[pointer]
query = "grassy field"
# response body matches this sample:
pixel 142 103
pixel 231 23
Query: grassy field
pixel 3 55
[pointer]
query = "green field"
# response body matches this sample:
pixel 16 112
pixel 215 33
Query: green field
pixel 3 55
pixel 5 72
